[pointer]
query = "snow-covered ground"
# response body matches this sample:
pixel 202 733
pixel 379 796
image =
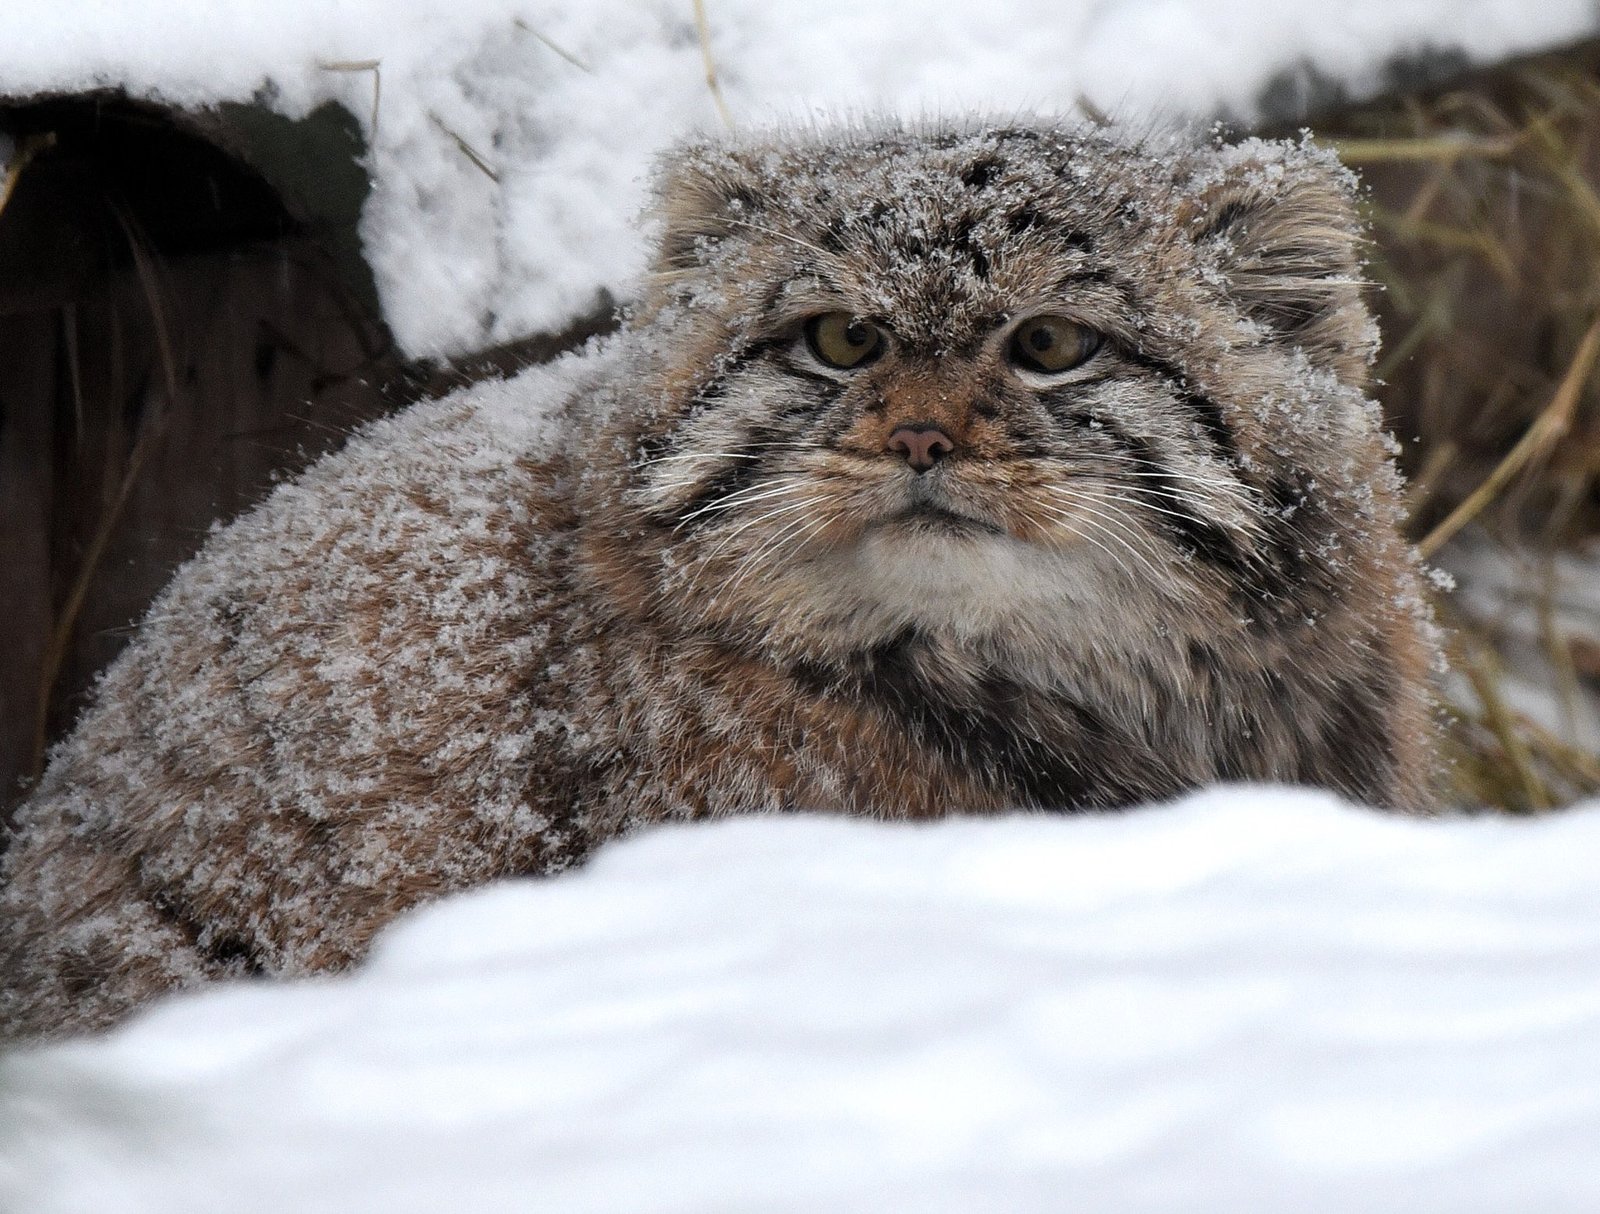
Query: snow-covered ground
pixel 1255 1000
pixel 511 138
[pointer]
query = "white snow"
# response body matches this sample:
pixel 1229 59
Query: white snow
pixel 1254 1000
pixel 462 259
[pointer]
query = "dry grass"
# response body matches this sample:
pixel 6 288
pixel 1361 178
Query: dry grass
pixel 1485 212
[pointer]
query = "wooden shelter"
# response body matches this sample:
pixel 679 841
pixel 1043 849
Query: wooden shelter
pixel 184 315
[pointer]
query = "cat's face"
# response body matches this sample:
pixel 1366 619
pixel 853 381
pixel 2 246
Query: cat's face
pixel 948 381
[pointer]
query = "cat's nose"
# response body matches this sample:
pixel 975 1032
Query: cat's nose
pixel 921 446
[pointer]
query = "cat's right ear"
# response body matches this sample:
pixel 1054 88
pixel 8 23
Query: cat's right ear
pixel 1279 221
pixel 705 195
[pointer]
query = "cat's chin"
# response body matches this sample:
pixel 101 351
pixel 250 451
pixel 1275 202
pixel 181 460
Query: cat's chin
pixel 949 571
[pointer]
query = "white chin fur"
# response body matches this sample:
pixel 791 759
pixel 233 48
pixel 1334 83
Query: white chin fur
pixel 963 584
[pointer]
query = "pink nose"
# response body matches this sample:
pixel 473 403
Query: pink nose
pixel 922 446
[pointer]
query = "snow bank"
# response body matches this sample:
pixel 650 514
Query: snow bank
pixel 1255 1000
pixel 510 139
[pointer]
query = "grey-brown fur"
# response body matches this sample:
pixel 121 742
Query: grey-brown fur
pixel 469 647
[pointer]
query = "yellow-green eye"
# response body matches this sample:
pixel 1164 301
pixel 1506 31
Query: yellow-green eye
pixel 844 341
pixel 1052 344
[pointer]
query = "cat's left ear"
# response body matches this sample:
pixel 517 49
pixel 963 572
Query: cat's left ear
pixel 1279 221
pixel 705 194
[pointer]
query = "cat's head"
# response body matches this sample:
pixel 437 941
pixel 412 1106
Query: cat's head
pixel 995 378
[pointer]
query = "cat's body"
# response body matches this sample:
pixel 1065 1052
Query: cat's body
pixel 914 562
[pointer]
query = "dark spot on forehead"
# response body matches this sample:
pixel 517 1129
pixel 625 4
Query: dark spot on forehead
pixel 912 245
pixel 961 240
pixel 832 236
pixel 1023 219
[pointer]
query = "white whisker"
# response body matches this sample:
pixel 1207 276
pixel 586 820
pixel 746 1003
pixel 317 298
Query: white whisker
pixel 745 454
pixel 1106 496
pixel 766 517
pixel 1068 522
pixel 747 496
pixel 788 538
pixel 667 459
pixel 1081 510
pixel 1229 488
pixel 753 560
pixel 756 227
pixel 709 559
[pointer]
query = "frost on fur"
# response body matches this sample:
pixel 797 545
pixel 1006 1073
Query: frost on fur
pixel 697 571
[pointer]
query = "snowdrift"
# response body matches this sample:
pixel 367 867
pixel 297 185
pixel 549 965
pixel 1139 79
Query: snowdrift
pixel 1256 999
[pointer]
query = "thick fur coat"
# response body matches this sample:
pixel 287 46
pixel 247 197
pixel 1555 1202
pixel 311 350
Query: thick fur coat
pixel 688 573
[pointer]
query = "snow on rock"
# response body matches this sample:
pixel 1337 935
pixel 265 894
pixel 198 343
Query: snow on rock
pixel 510 140
pixel 1253 1000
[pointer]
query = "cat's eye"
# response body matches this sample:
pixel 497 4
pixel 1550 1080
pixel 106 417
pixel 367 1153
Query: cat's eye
pixel 1050 345
pixel 841 340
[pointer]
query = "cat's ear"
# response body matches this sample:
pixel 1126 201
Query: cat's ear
pixel 1279 222
pixel 704 195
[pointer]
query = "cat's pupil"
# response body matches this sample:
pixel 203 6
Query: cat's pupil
pixel 1041 340
pixel 856 333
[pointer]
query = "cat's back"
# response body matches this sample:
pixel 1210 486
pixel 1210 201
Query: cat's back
pixel 333 696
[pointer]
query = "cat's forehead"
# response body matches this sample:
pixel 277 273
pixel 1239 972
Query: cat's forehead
pixel 918 192
pixel 954 166
pixel 944 232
